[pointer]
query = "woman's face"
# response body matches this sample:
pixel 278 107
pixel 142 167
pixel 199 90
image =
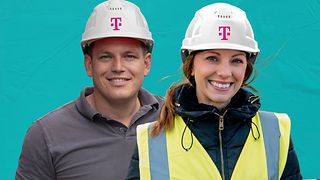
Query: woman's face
pixel 218 75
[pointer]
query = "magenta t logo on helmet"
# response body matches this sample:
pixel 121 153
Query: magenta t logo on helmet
pixel 224 31
pixel 115 23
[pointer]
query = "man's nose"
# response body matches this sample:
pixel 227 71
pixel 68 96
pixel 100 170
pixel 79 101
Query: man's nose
pixel 117 65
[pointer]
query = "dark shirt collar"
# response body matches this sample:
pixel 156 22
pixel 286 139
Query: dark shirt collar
pixel 146 99
pixel 83 105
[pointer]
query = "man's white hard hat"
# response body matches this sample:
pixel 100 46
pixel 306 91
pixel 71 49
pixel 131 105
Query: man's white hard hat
pixel 116 18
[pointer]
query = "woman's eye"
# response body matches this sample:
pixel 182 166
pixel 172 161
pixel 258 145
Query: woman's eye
pixel 237 60
pixel 212 58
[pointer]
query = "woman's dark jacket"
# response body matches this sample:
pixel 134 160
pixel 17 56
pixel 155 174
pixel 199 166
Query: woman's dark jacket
pixel 204 124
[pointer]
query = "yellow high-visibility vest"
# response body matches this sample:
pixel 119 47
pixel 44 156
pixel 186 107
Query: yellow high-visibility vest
pixel 163 158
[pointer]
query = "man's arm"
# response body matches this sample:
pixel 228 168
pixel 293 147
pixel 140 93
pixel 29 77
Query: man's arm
pixel 35 159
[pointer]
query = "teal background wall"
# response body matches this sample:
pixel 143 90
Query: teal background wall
pixel 41 63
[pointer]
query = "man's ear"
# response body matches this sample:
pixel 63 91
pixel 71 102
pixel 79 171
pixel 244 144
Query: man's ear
pixel 88 64
pixel 147 62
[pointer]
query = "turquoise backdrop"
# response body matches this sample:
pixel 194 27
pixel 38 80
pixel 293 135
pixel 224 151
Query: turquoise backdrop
pixel 41 63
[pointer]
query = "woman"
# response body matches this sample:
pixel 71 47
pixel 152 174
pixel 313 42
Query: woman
pixel 210 126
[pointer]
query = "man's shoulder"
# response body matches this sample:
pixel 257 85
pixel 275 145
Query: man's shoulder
pixel 59 114
pixel 150 98
pixel 52 123
pixel 160 99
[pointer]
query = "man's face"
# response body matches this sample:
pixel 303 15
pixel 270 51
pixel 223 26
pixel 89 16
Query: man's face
pixel 117 66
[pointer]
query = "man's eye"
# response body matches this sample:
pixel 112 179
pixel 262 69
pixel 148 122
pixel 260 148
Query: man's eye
pixel 130 57
pixel 105 57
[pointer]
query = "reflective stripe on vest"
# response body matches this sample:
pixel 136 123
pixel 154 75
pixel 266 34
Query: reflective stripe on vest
pixel 159 169
pixel 271 135
pixel 162 157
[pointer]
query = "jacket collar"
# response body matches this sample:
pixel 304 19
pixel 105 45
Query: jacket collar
pixel 243 105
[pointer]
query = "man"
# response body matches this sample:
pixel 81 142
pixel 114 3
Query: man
pixel 93 136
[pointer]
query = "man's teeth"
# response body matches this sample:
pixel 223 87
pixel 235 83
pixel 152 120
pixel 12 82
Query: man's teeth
pixel 219 85
pixel 118 79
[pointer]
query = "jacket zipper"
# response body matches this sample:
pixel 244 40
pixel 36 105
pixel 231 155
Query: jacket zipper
pixel 221 128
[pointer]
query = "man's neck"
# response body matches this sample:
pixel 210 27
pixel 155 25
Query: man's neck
pixel 121 110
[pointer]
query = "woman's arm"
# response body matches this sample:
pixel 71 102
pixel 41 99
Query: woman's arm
pixel 133 171
pixel 292 168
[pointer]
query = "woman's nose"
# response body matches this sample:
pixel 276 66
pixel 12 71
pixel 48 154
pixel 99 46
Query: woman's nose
pixel 224 70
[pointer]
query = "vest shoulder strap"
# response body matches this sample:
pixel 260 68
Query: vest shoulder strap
pixel 142 142
pixel 152 162
pixel 285 127
pixel 271 136
pixel 276 134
